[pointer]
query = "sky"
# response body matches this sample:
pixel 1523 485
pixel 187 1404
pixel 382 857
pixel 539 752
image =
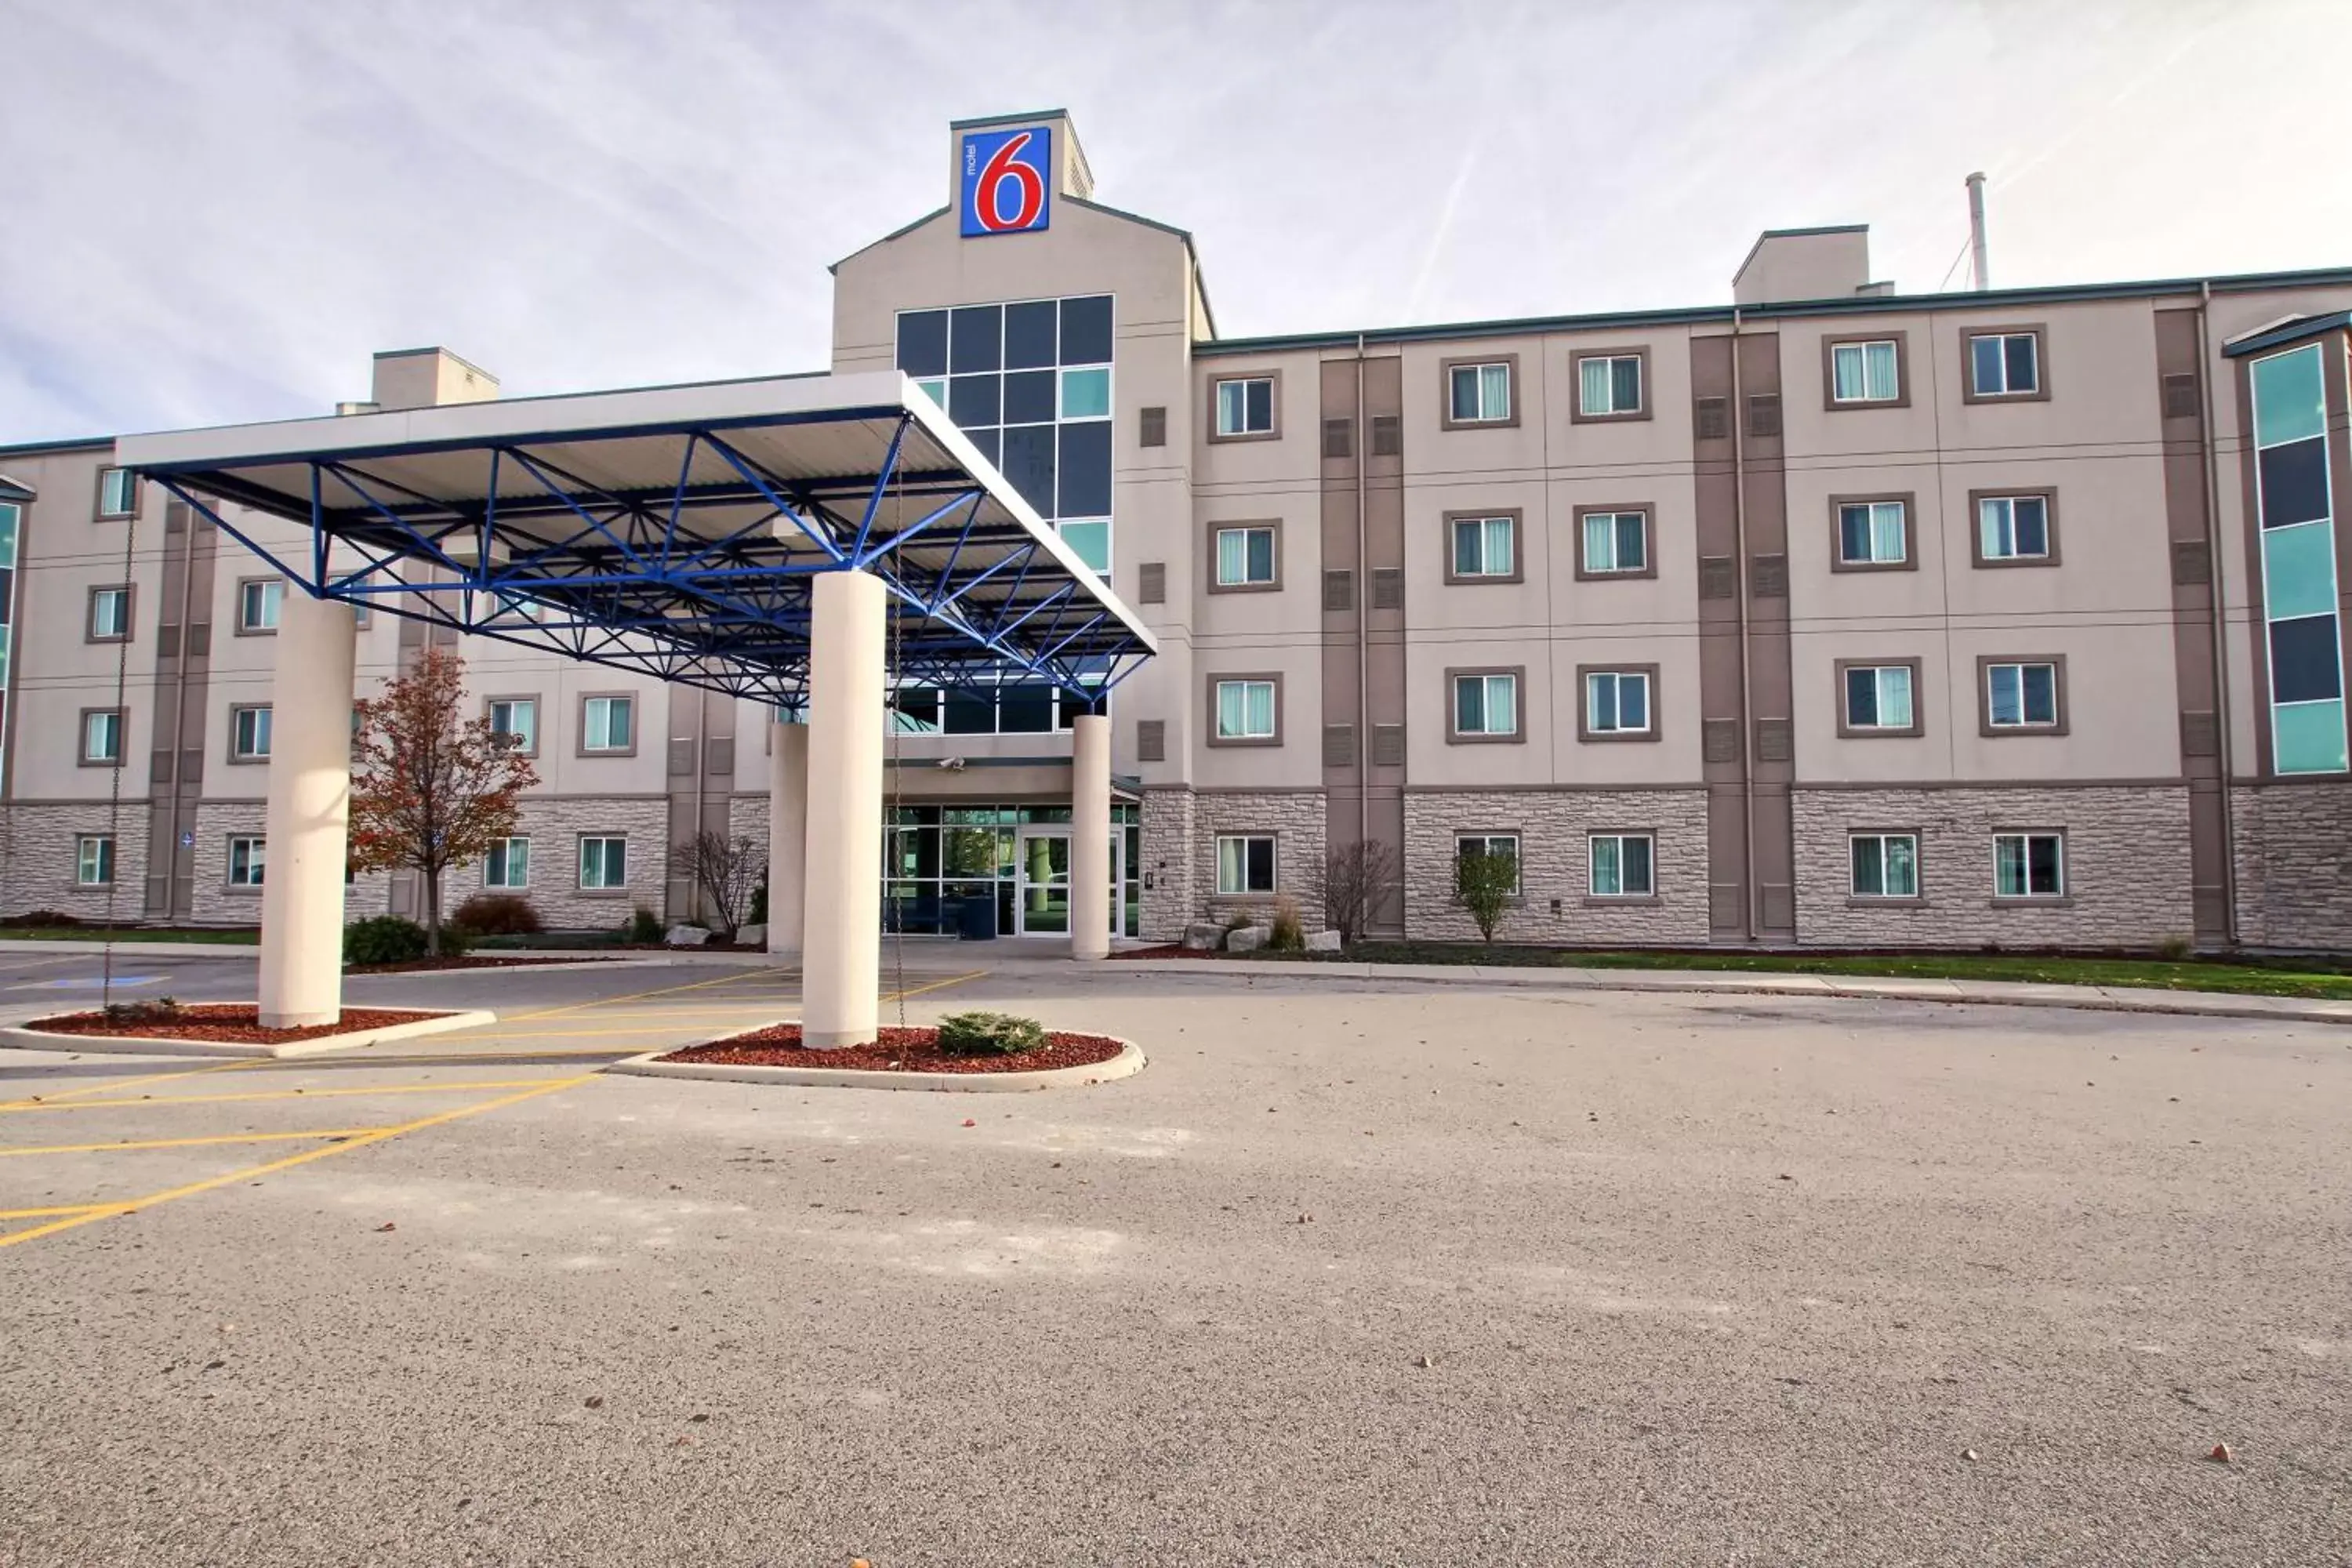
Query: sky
pixel 214 213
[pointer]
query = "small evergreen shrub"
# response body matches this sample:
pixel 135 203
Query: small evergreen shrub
pixel 497 914
pixel 989 1034
pixel 759 915
pixel 159 1010
pixel 384 938
pixel 2174 950
pixel 645 926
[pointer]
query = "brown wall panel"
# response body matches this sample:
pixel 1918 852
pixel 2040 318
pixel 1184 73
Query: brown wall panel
pixel 2188 522
pixel 1771 828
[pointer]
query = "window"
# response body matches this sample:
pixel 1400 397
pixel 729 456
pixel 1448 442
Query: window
pixel 1487 704
pixel 94 860
pixel 101 737
pixel 1877 698
pixel 110 613
pixel 1613 543
pixel 248 734
pixel 1246 556
pixel 1506 844
pixel 1245 407
pixel 258 600
pixel 1483 547
pixel 1617 702
pixel 2014 529
pixel 606 724
pixel 245 853
pixel 1248 711
pixel 117 492
pixel 2029 865
pixel 1608 386
pixel 1621 865
pixel 515 721
pixel 1874 533
pixel 1244 863
pixel 1479 391
pixel 2005 364
pixel 1867 372
pixel 1885 865
pixel 603 862
pixel 508 864
pixel 2021 696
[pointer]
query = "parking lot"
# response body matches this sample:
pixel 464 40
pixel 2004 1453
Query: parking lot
pixel 1354 1272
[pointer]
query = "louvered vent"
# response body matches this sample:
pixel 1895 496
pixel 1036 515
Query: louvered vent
pixel 1388 588
pixel 1767 576
pixel 1388 436
pixel 1388 745
pixel 1338 746
pixel 1154 432
pixel 1151 582
pixel 1338 437
pixel 1151 740
pixel 1711 417
pixel 1764 414
pixel 1340 590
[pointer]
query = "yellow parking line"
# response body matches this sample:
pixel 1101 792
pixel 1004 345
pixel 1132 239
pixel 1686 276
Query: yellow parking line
pixel 46 1214
pixel 126 1083
pixel 189 1143
pixel 150 1101
pixel 638 995
pixel 155 1199
pixel 934 985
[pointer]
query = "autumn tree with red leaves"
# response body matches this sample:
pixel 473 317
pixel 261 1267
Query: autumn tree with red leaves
pixel 431 789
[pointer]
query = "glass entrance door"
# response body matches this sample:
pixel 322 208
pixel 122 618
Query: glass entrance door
pixel 1041 904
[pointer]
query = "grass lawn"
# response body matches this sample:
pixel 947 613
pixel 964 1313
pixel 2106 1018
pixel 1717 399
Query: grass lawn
pixel 2317 977
pixel 100 933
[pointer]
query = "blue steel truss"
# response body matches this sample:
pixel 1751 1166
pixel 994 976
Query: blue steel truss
pixel 693 581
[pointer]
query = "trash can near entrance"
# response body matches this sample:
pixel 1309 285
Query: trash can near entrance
pixel 976 918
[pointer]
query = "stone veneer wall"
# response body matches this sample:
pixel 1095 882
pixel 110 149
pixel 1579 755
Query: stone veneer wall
pixel 38 859
pixel 554 825
pixel 1555 903
pixel 2127 881
pixel 2294 859
pixel 1180 828
pixel 1169 816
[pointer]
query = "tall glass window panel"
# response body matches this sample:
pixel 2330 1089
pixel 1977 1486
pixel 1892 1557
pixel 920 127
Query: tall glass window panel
pixel 975 339
pixel 923 343
pixel 1086 329
pixel 2013 528
pixel 1084 483
pixel 976 401
pixel 2305 666
pixel 1027 460
pixel 1029 397
pixel 1030 335
pixel 1090 537
pixel 1086 394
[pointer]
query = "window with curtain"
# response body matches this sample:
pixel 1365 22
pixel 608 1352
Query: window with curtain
pixel 1885 865
pixel 1865 372
pixel 605 723
pixel 1484 547
pixel 2022 696
pixel 1245 863
pixel 1878 697
pixel 1506 844
pixel 1608 383
pixel 1487 704
pixel 248 729
pixel 110 615
pixel 1244 557
pixel 1479 393
pixel 117 492
pixel 1617 702
pixel 604 862
pixel 2013 528
pixel 1621 865
pixel 94 860
pixel 1873 533
pixel 1246 710
pixel 1246 407
pixel 508 864
pixel 1616 541
pixel 2029 865
pixel 101 736
pixel 247 853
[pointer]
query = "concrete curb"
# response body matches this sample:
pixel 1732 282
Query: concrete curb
pixel 1128 1062
pixel 559 965
pixel 160 949
pixel 19 1037
pixel 1982 993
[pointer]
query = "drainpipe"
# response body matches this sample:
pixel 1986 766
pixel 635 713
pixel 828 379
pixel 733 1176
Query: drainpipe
pixel 1748 889
pixel 2218 599
pixel 1363 613
pixel 170 911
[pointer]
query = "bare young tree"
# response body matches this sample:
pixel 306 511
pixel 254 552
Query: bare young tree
pixel 1355 876
pixel 726 869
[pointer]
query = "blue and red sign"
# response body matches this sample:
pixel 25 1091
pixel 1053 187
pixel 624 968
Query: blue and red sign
pixel 1007 180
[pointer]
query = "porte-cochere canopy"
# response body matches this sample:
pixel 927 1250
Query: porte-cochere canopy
pixel 672 531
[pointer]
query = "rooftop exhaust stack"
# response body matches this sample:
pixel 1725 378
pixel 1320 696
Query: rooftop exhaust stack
pixel 1977 233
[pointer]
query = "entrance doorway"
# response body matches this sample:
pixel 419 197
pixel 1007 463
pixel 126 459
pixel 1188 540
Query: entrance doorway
pixel 1040 903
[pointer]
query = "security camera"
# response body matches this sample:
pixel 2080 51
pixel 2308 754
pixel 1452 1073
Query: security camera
pixel 954 765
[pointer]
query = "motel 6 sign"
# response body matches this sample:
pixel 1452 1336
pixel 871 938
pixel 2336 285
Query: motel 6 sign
pixel 1006 181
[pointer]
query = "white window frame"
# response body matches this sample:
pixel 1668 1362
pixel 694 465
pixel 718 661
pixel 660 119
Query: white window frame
pixel 1876 511
pixel 97 848
pixel 1852 879
pixel 1879 672
pixel 588 743
pixel 254 717
pixel 106 479
pixel 1477 372
pixel 1592 865
pixel 1240 385
pixel 1062 526
pixel 253 848
pixel 119 595
pixel 1489 529
pixel 1273 544
pixel 602 862
pixel 259 601
pixel 1861 349
pixel 1614 522
pixel 2004 389
pixel 2023 838
pixel 529 746
pixel 1485 842
pixel 1992 526
pixel 1485 702
pixel 1274 863
pixel 113 721
pixel 1273 705
pixel 1617 727
pixel 499 858
pixel 2023 720
pixel 1640 388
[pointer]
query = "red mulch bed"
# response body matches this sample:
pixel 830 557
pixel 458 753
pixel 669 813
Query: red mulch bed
pixel 898 1050
pixel 1171 951
pixel 486 960
pixel 237 1023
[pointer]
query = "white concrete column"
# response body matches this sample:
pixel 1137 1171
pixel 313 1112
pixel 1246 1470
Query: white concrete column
pixel 309 820
pixel 1090 861
pixel 841 951
pixel 787 837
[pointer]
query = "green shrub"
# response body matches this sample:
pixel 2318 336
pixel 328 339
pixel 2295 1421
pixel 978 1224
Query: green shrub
pixel 645 926
pixel 384 938
pixel 2174 950
pixel 759 915
pixel 159 1010
pixel 497 914
pixel 1288 935
pixel 989 1034
pixel 1485 885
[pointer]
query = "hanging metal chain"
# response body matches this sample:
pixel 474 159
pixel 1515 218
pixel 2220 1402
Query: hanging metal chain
pixel 122 751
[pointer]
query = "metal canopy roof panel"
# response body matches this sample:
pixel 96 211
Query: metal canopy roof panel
pixel 671 529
